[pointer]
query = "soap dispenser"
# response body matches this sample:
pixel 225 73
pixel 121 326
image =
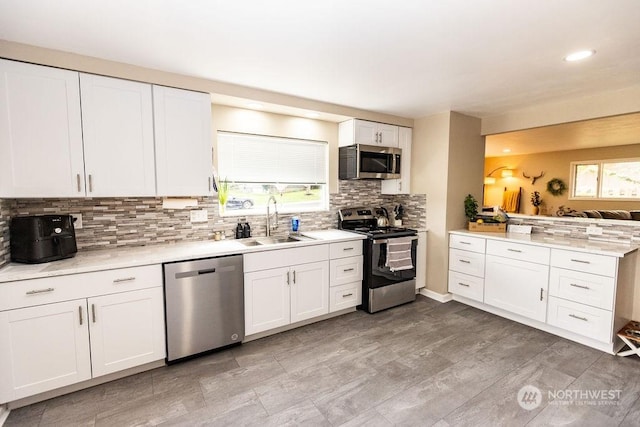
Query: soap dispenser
pixel 239 231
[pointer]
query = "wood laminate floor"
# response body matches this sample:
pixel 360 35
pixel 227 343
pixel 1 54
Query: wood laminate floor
pixel 420 364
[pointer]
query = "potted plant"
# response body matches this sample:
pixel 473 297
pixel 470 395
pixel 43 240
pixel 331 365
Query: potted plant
pixel 470 208
pixel 536 201
pixel 223 193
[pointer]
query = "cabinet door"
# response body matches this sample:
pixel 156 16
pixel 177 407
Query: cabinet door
pixel 40 132
pixel 309 290
pixel 387 135
pixel 266 299
pixel 365 132
pixel 117 124
pixel 517 286
pixel 127 330
pixel 182 123
pixel 403 184
pixel 43 348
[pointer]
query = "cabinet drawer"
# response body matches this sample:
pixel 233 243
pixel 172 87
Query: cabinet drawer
pixel 473 244
pixel 345 296
pixel 583 288
pixel 580 319
pixel 466 285
pixel 518 251
pixel 285 257
pixel 466 262
pixel 345 249
pixel 588 263
pixel 27 293
pixel 345 270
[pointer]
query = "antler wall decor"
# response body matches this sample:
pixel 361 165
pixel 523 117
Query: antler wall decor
pixel 534 178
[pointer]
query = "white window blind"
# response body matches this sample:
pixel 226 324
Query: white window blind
pixel 266 159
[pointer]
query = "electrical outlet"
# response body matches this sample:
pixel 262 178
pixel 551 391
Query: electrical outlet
pixel 594 230
pixel 77 223
pixel 199 216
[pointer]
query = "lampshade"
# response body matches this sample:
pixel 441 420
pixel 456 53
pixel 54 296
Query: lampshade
pixel 489 180
pixel 507 173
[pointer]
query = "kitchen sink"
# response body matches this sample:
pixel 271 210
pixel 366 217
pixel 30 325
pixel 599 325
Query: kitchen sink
pixel 264 241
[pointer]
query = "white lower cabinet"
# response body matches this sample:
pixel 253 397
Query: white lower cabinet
pixel 278 293
pixel 517 286
pixel 67 329
pixel 580 319
pixel 43 348
pixel 345 284
pixel 126 329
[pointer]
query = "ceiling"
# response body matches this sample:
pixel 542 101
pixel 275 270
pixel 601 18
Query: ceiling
pixel 603 132
pixel 409 58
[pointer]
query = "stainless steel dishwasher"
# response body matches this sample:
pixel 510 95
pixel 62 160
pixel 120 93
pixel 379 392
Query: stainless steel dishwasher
pixel 204 302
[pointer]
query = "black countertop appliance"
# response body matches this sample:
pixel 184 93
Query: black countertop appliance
pixel 44 238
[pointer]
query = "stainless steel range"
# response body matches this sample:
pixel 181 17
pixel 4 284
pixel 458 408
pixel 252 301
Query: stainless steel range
pixel 389 259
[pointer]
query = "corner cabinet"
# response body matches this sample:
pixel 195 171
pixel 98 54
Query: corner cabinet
pixel 358 131
pixel 63 330
pixel 184 159
pixel 40 132
pixel 285 286
pixel 403 184
pixel 579 295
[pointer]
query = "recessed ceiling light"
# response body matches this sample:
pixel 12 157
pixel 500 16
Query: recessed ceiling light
pixel 254 105
pixel 312 115
pixel 506 150
pixel 577 56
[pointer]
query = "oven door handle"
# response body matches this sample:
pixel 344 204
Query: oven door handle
pixel 384 241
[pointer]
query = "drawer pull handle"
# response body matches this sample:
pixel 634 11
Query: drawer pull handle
pixel 465 243
pixel 93 312
pixel 579 317
pixel 40 291
pixel 541 291
pixel 80 314
pixel 580 261
pixel 348 249
pixel 124 279
pixel 463 284
pixel 348 269
pixel 465 261
pixel 514 250
pixel 347 295
pixel 578 286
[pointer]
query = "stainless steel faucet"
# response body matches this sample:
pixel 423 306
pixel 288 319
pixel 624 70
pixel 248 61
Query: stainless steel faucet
pixel 275 207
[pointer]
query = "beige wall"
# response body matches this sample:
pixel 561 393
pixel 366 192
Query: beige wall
pixel 259 122
pixel 555 165
pixel 592 106
pixel 446 165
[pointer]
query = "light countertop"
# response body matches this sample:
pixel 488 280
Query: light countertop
pixel 558 242
pixel 108 259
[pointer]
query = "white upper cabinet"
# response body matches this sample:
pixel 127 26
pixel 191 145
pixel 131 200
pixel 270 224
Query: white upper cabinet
pixel 40 132
pixel 182 121
pixel 403 184
pixel 365 132
pixel 117 124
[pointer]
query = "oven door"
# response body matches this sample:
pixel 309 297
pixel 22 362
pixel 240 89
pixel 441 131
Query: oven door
pixel 378 274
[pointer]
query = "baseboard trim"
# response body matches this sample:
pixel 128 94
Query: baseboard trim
pixel 4 414
pixel 436 296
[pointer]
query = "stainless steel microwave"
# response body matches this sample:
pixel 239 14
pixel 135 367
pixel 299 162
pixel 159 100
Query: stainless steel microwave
pixel 361 161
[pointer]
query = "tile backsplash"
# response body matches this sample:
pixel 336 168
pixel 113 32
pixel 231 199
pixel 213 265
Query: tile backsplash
pixel 117 222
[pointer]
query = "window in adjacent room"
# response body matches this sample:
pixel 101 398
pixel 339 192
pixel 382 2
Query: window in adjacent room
pixel 256 167
pixel 606 179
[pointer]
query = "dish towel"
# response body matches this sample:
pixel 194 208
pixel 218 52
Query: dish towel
pixel 399 254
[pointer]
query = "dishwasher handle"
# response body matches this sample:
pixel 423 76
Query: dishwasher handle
pixel 193 273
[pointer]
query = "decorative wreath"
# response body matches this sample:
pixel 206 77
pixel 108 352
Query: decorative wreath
pixel 556 187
